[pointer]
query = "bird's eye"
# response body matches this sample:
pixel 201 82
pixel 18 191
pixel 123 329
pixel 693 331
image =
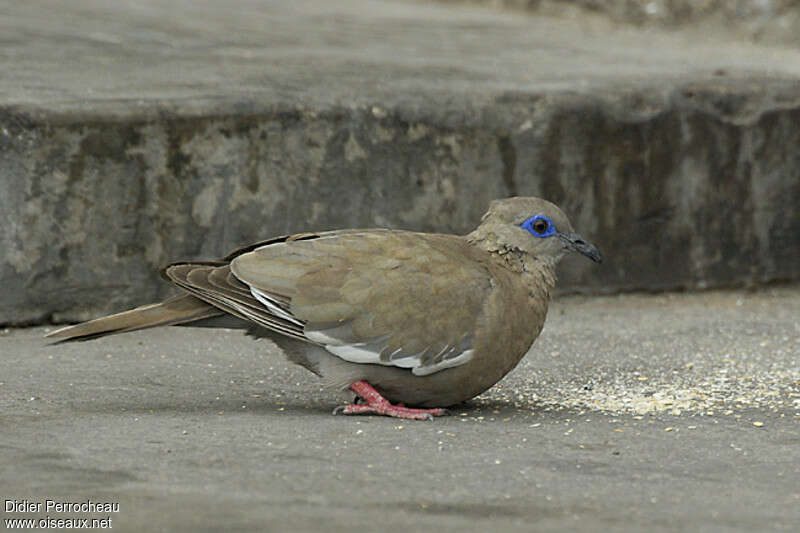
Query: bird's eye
pixel 539 226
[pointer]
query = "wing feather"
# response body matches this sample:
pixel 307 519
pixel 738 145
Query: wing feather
pixel 374 297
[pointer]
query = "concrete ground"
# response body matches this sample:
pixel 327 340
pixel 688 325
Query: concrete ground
pixel 676 412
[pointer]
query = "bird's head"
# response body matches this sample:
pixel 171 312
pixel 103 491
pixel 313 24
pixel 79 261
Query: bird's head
pixel 534 227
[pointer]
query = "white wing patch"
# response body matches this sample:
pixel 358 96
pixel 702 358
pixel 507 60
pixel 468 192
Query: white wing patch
pixel 375 352
pixel 353 353
pixel 274 307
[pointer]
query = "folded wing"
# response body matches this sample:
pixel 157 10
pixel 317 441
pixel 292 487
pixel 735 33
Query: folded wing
pixel 373 297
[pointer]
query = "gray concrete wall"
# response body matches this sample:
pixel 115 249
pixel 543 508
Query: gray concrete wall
pixel 679 160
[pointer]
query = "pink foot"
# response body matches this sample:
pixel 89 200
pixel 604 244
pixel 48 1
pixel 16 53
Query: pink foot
pixel 378 405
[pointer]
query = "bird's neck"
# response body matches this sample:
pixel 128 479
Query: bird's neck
pixel 539 275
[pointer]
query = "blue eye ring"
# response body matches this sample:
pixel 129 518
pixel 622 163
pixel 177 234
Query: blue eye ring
pixel 535 226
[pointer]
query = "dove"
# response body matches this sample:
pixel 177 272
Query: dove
pixel 410 322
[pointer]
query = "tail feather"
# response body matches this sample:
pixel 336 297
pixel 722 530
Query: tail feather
pixel 176 310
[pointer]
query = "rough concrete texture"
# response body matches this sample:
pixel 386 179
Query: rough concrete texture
pixel 768 21
pixel 631 413
pixel 132 135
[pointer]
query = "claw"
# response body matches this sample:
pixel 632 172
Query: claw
pixel 374 403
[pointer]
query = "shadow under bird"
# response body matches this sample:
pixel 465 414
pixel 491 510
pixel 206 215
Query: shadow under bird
pixel 410 322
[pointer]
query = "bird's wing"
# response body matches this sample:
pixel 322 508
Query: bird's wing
pixel 379 297
pixel 216 285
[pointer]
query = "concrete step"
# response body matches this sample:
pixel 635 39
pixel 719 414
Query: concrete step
pixel 132 135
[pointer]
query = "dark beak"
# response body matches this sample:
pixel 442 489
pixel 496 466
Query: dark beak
pixel 575 242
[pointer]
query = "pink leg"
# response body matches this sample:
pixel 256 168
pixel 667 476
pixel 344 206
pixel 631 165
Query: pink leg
pixel 378 405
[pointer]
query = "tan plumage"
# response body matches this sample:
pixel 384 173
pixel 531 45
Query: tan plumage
pixel 426 319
